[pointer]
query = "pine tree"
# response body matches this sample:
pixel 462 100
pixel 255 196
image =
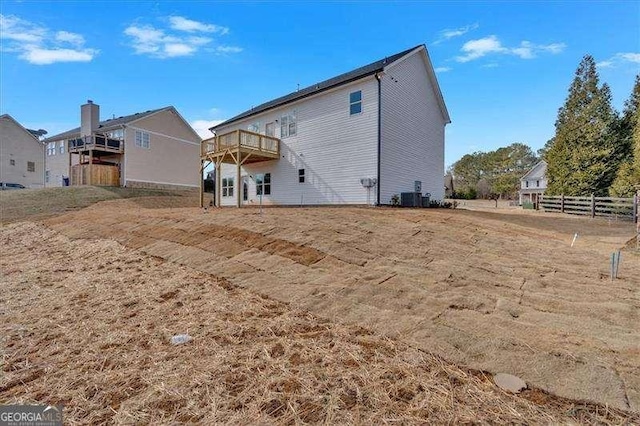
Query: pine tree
pixel 581 159
pixel 628 176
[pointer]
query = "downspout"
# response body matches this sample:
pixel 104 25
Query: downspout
pixel 379 78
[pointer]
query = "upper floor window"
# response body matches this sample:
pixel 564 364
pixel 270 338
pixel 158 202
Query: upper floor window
pixel 254 127
pixel 51 148
pixel 269 129
pixel 31 166
pixel 288 125
pixel 61 147
pixel 526 183
pixel 300 175
pixel 12 162
pixel 142 139
pixel 263 184
pixel 116 134
pixel 355 102
pixel 538 183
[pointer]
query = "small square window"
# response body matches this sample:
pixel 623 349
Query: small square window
pixel 31 166
pixel 12 162
pixel 300 175
pixel 355 102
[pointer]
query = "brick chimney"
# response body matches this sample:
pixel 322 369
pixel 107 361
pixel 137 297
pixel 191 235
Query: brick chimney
pixel 89 118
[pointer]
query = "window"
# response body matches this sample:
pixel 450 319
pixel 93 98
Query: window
pixel 31 166
pixel 254 127
pixel 263 184
pixel 300 175
pixel 227 187
pixel 538 183
pixel 269 129
pixel 355 102
pixel 61 147
pixel 51 148
pixel 526 183
pixel 288 125
pixel 12 162
pixel 142 139
pixel 116 134
pixel 46 176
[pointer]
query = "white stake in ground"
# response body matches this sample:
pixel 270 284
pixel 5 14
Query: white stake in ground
pixel 575 237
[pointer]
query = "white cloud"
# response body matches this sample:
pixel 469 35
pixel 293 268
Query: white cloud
pixel 183 24
pixel 38 45
pixel 171 42
pixel 228 49
pixel 442 69
pixel 620 59
pixel 604 64
pixel 39 56
pixel 202 127
pixel 71 38
pixel 448 34
pixel 630 57
pixel 475 49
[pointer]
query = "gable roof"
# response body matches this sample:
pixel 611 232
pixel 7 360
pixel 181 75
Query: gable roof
pixel 110 123
pixel 531 170
pixel 341 79
pixel 8 117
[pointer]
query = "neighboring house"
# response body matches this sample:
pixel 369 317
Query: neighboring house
pixel 21 155
pixel 151 149
pixel 358 138
pixel 533 183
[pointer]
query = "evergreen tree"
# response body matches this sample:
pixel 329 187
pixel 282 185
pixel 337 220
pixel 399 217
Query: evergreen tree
pixel 581 159
pixel 628 176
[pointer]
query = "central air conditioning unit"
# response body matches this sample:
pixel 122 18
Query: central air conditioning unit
pixel 410 199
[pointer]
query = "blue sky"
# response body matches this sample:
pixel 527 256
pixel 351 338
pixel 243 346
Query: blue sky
pixel 504 68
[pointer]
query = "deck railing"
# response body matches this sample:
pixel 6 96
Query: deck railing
pixel 241 139
pixel 100 142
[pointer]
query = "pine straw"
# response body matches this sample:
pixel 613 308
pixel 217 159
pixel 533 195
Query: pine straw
pixel 87 323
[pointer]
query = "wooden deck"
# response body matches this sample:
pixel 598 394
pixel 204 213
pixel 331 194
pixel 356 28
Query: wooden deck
pixel 253 148
pixel 96 143
pixel 239 147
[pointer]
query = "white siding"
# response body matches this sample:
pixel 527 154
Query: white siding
pixel 335 149
pixel 412 131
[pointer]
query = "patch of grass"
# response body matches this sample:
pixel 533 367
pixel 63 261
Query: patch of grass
pixel 30 204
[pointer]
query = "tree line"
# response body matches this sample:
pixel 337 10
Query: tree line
pixel 595 149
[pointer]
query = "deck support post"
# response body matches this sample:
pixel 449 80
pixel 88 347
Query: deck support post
pixel 70 165
pixel 238 177
pixel 201 185
pixel 218 189
pixel 90 178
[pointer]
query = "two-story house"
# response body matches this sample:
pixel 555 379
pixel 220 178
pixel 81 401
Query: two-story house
pixel 533 184
pixel 21 155
pixel 358 138
pixel 151 149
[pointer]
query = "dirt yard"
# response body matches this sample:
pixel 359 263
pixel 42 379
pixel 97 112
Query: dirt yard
pixel 497 292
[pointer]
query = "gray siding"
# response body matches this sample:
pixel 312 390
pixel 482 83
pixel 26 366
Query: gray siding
pixel 412 130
